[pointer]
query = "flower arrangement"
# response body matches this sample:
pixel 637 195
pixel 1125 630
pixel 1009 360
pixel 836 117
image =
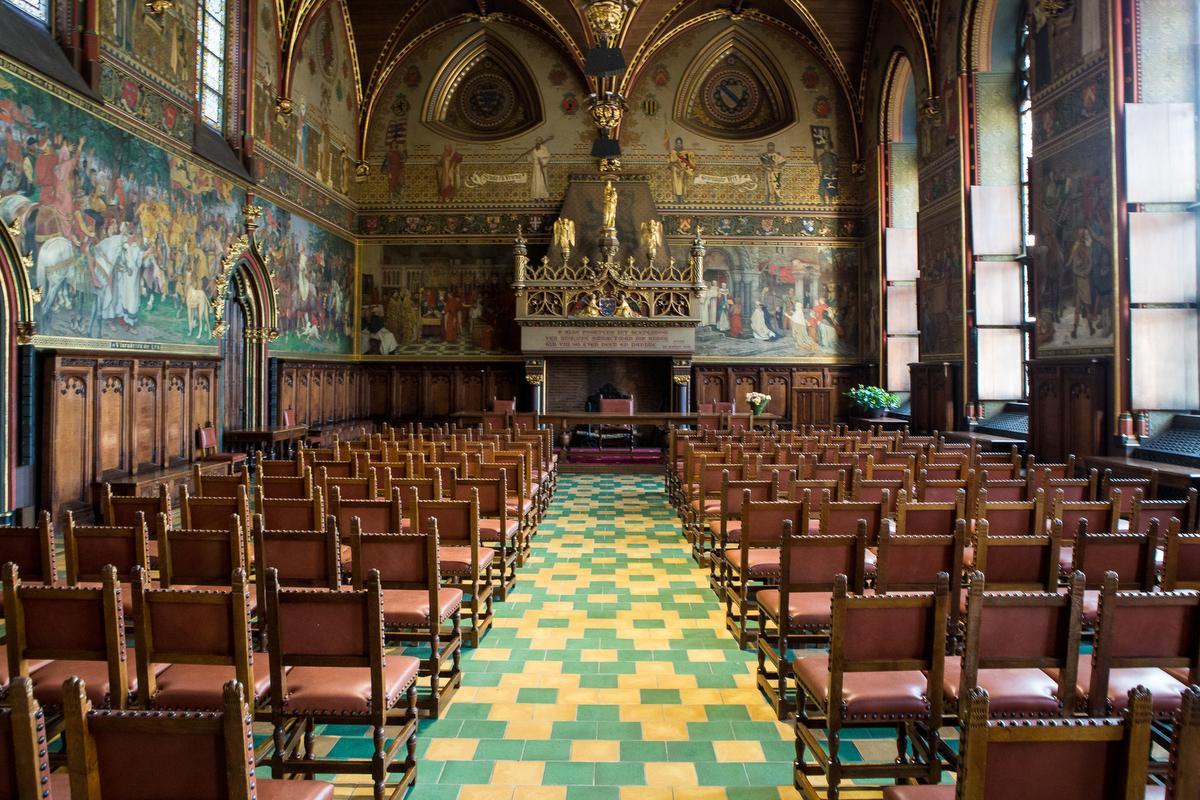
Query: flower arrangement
pixel 758 402
pixel 873 399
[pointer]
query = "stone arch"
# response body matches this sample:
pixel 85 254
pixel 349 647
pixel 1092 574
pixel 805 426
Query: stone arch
pixel 17 327
pixel 899 91
pixel 246 278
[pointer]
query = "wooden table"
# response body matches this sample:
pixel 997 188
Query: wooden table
pixel 988 441
pixel 566 420
pixel 883 423
pixel 269 440
pixel 1172 476
pixel 145 482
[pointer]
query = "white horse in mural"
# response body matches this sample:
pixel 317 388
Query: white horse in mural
pixel 118 269
pixel 15 208
pixel 57 273
pixel 197 312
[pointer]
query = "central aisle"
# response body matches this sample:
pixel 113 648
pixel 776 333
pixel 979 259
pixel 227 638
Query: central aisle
pixel 608 674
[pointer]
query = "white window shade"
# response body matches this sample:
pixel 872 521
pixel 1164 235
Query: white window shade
pixel 1164 355
pixel 1160 152
pixel 900 248
pixel 996 220
pixel 998 291
pixel 901 351
pixel 902 309
pixel 1162 257
pixel 1001 363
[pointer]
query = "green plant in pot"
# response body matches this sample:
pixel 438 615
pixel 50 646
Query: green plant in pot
pixel 872 401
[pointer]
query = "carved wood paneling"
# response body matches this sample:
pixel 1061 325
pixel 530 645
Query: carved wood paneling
pixel 722 383
pixel 936 396
pixel 1068 408
pixel 109 419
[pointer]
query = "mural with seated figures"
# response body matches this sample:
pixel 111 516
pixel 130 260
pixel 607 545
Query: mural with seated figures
pixel 126 238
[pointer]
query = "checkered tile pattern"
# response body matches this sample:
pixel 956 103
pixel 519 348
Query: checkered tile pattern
pixel 608 675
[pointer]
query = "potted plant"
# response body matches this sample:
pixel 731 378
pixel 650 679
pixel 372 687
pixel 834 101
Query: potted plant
pixel 872 401
pixel 758 402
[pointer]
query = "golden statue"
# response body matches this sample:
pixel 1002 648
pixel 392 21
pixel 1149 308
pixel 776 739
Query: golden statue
pixel 593 307
pixel 623 308
pixel 610 205
pixel 651 236
pixel 564 236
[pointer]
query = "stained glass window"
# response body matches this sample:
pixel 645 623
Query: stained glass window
pixel 210 62
pixel 38 9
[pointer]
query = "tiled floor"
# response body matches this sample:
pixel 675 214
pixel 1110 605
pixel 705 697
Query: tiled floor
pixel 608 675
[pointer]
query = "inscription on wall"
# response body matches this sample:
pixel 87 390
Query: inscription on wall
pixel 608 339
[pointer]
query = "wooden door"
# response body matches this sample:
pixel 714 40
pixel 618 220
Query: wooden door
pixel 233 366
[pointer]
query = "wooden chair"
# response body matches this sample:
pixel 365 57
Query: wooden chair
pixel 1146 639
pixel 207 439
pixel 872 489
pixel 496 529
pixel 755 562
pixel 364 488
pixel 1130 556
pixel 290 513
pixel 1016 518
pixel 809 564
pixel 1097 515
pixel 220 485
pixel 326 651
pixel 281 468
pixel 193 641
pixel 608 432
pixel 465 563
pixel 1011 640
pixel 1181 561
pixel 1028 563
pixel 940 517
pixel 186 756
pixel 123 510
pixel 212 513
pixel 374 516
pixel 194 557
pixel 727 529
pixel 90 550
pixel 1074 489
pixel 32 550
pixel 24 762
pixel 1143 511
pixel 1149 487
pixel 54 632
pixel 884 667
pixel 416 607
pixel 912 562
pixel 307 558
pixel 275 487
pixel 931 490
pixel 1055 759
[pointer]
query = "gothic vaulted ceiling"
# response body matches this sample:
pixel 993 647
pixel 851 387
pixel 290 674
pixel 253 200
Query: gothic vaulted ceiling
pixel 384 31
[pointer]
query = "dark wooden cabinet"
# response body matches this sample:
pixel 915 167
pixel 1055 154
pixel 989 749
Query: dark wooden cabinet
pixel 730 383
pixel 936 396
pixel 1068 408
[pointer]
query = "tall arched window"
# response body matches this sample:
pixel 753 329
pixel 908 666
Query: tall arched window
pixel 38 9
pixel 210 62
pixel 898 207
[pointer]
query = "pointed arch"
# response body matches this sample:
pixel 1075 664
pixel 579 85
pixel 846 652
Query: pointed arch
pixel 898 99
pixel 17 326
pixel 245 276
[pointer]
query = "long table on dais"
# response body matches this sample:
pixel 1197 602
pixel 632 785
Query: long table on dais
pixel 565 420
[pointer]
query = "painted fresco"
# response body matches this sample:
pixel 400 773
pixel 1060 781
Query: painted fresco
pixel 438 301
pixel 1068 40
pixel 126 238
pixel 318 138
pixel 940 308
pixel 159 46
pixel 1073 261
pixel 779 302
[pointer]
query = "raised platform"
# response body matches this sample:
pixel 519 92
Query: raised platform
pixel 610 457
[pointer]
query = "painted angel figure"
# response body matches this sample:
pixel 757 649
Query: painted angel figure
pixel 651 238
pixel 564 236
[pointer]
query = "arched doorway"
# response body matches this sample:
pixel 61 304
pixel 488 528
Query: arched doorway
pixel 16 327
pixel 247 320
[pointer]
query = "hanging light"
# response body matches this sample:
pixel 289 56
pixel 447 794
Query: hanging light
pixel 605 18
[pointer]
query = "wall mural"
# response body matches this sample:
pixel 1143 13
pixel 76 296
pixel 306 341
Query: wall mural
pixel 1073 262
pixel 779 302
pixel 1065 41
pixel 940 305
pixel 159 46
pixel 318 137
pixel 438 301
pixel 126 237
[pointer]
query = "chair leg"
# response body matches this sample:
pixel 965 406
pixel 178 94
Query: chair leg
pixel 379 762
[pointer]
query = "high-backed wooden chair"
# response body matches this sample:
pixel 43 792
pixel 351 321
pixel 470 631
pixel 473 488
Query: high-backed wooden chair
pixel 352 488
pixel 210 447
pixel 326 651
pixel 91 549
pixel 809 566
pixel 1017 518
pixel 1097 515
pixel 755 562
pixel 54 632
pixel 212 513
pixel 194 755
pixel 275 487
pixel 195 557
pixel 416 607
pixel 120 510
pixel 1055 759
pixel 290 513
pixel 191 642
pixel 726 531
pixel 465 562
pixel 496 529
pixel 1181 560
pixel 620 406
pixel 884 668
pixel 220 485
pixel 1143 511
pixel 309 558
pixel 375 516
pixel 941 517
pixel 24 758
pixel 1130 556
pixel 32 550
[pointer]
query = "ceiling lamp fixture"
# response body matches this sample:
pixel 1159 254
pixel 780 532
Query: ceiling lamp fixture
pixel 605 17
pixel 607 109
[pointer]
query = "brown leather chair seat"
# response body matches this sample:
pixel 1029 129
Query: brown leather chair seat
pixel 198 687
pixel 518 509
pixel 1178 673
pixel 761 562
pixel 711 506
pixel 60 785
pixel 1165 692
pixel 49 678
pixel 267 789
pixel 805 609
pixel 456 561
pixel 940 792
pixel 943 791
pixel 34 666
pixel 489 529
pixel 346 690
pixel 733 529
pixel 1011 692
pixel 867 695
pixel 403 608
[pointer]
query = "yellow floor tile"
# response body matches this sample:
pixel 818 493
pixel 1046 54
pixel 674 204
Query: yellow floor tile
pixel 489 792
pixel 590 750
pixel 540 793
pixel 660 773
pixel 528 730
pixel 451 749
pixel 517 773
pixel 739 751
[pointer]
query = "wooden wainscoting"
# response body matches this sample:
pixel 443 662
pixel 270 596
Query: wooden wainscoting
pixel 730 383
pixel 117 418
pixel 936 396
pixel 336 393
pixel 1068 408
